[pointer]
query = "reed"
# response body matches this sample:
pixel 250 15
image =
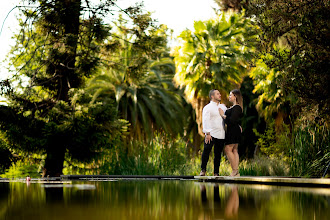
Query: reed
pixel 310 154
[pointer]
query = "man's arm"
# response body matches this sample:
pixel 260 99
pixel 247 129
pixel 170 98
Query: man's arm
pixel 206 124
pixel 206 120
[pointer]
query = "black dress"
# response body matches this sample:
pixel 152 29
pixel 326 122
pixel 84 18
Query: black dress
pixel 233 133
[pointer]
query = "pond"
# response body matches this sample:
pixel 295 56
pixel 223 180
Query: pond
pixel 159 199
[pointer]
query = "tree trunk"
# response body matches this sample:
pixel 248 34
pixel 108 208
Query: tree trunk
pixel 54 161
pixel 63 67
pixel 198 105
pixel 197 142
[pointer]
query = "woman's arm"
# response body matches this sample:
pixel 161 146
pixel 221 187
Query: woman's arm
pixel 234 116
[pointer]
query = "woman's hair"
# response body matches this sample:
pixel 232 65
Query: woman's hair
pixel 239 97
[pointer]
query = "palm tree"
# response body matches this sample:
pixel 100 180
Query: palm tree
pixel 149 105
pixel 141 81
pixel 214 56
pixel 271 102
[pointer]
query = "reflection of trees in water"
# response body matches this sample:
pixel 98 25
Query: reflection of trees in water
pixel 272 202
pixel 54 194
pixel 4 192
pixel 20 200
pixel 261 202
pixel 160 200
pixel 147 199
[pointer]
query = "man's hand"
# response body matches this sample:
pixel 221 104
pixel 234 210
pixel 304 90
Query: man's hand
pixel 208 139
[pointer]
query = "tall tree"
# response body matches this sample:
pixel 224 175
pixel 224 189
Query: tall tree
pixel 232 5
pixel 215 55
pixel 57 48
pixel 302 27
pixel 138 73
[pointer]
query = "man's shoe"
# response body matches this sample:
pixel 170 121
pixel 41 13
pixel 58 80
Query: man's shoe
pixel 202 173
pixel 216 174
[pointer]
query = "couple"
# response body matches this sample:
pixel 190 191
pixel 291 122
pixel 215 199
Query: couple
pixel 215 116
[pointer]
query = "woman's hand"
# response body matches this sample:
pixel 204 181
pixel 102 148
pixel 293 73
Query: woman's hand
pixel 221 112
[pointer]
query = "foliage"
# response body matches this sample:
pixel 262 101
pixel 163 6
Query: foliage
pixel 303 28
pixel 5 155
pixel 214 56
pixel 305 149
pixel 162 156
pixel 311 153
pixel 271 100
pixel 277 145
pixel 264 166
pixel 232 5
pixel 252 120
pixel 22 169
pixel 138 73
pixel 57 48
pixel 82 131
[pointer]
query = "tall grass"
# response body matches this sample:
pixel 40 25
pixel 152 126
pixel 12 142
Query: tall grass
pixel 264 166
pixel 159 157
pixel 311 152
pixel 308 156
pixel 163 157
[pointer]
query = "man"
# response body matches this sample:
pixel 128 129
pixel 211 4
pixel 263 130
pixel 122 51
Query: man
pixel 213 128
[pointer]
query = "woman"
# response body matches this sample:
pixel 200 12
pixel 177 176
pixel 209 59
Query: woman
pixel 234 132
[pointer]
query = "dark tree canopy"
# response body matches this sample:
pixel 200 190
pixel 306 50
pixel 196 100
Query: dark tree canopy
pixel 56 50
pixel 233 5
pixel 296 36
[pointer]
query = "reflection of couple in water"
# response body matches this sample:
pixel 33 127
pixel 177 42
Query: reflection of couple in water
pixel 215 116
pixel 232 204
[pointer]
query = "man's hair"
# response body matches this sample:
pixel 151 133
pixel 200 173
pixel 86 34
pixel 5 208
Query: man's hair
pixel 211 93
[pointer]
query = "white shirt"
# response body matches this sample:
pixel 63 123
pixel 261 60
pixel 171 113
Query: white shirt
pixel 212 121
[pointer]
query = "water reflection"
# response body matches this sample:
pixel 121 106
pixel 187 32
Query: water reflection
pixel 54 194
pixel 160 200
pixel 229 209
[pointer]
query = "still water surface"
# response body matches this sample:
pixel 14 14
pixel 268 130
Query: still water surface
pixel 160 199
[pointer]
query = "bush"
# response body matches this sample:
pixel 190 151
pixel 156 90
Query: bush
pixel 275 144
pixel 305 148
pixel 5 156
pixel 21 169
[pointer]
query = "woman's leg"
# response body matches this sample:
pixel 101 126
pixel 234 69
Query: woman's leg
pixel 230 156
pixel 236 158
pixel 231 209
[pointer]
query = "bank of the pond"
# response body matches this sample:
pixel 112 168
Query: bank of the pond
pixel 278 181
pixel 100 177
pixel 263 180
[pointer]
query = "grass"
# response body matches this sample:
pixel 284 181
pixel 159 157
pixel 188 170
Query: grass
pixel 309 157
pixel 261 166
pixel 311 153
